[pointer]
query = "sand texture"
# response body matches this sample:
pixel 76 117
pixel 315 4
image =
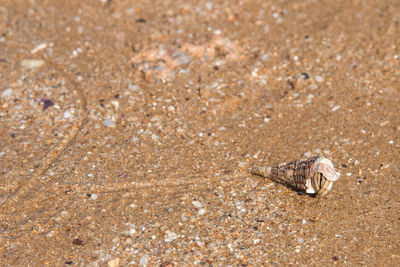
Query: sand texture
pixel 127 129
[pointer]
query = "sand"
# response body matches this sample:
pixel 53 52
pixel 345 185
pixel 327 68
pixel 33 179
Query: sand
pixel 127 129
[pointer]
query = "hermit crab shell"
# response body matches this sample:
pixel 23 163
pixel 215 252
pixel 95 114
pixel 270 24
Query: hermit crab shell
pixel 313 175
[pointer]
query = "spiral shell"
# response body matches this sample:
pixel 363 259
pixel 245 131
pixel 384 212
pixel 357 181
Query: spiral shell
pixel 313 175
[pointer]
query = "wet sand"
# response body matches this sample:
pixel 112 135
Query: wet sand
pixel 127 128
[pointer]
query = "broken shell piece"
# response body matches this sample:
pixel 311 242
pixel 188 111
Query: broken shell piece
pixel 313 175
pixel 31 63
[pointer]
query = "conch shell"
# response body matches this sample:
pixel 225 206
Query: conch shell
pixel 313 176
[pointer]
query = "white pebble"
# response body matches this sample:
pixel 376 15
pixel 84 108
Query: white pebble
pixel 6 93
pixel 144 260
pixel 266 120
pixel 335 108
pixel 266 28
pixel 133 87
pixel 171 108
pixel 391 142
pixel 197 204
pixel 108 123
pixel 201 212
pixel 319 78
pixel 170 236
pixel 348 174
pixel 50 234
pixel 264 57
pixel 67 114
pixel 307 154
pixel 217 32
pixel 93 196
pixel 300 240
pixel 32 63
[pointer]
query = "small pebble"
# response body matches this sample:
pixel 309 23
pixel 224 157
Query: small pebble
pixel 319 79
pixel 170 236
pixel 264 57
pixel 305 76
pixel 181 58
pixel 45 103
pixel 144 260
pixel 217 32
pixel 50 234
pixel 335 108
pixel 171 108
pixel 134 87
pixel 93 196
pixel 67 114
pixel 197 204
pixel 6 93
pixel 113 262
pixel 32 63
pixel 108 123
pixel 307 154
pixel 201 212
